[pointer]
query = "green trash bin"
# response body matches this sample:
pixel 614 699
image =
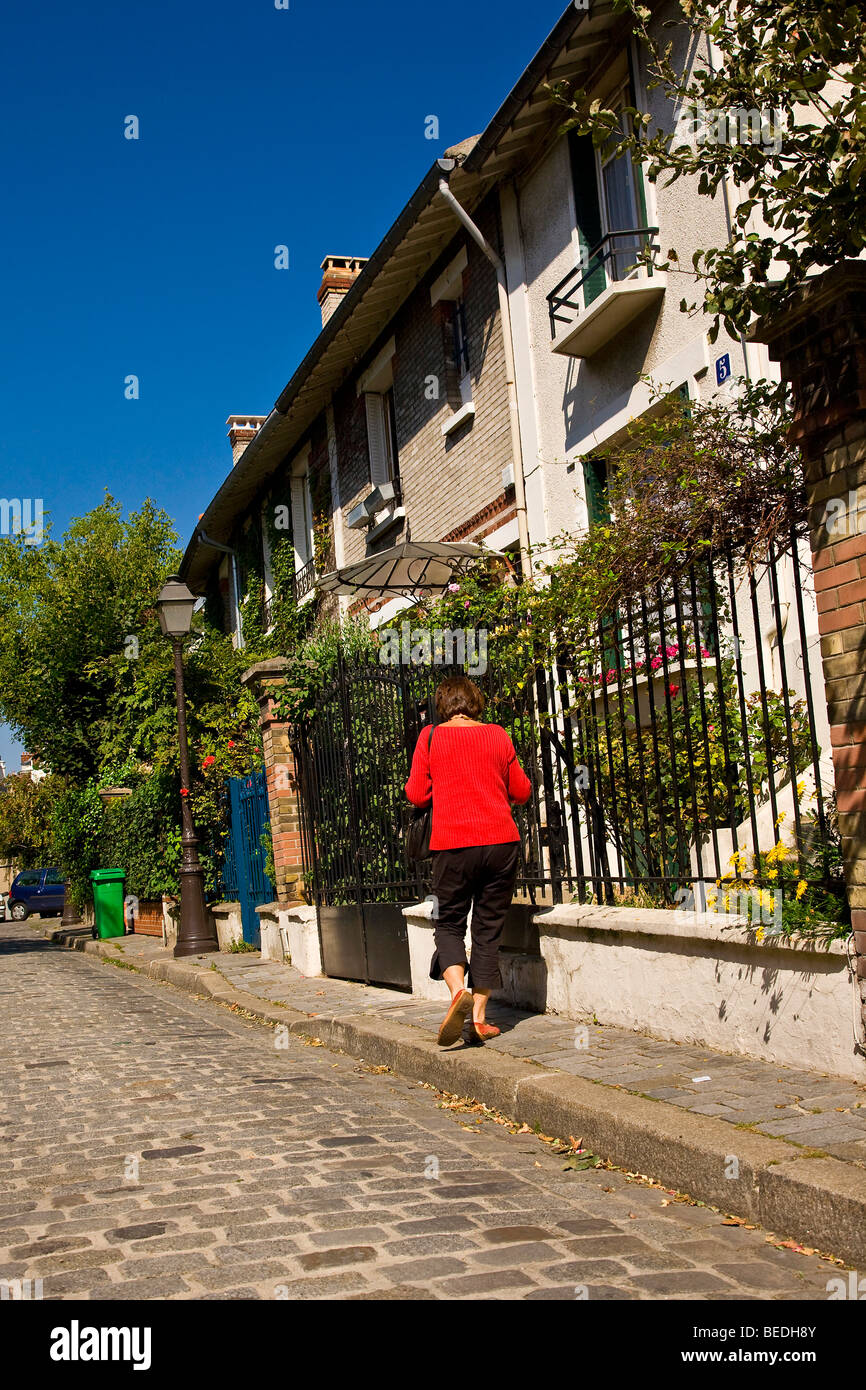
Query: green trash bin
pixel 108 902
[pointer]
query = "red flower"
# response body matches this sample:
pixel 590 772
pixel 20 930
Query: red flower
pixel 209 760
pixel 231 745
pixel 184 792
pixel 673 690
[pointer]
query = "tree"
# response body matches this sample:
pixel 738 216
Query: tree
pixel 782 117
pixel 87 679
pixel 74 614
pixel 26 809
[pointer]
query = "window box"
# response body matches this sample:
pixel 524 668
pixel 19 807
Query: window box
pixel 466 412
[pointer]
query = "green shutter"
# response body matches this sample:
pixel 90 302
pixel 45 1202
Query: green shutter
pixel 585 181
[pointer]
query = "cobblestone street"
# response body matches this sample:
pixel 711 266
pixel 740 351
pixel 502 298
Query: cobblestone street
pixel 159 1147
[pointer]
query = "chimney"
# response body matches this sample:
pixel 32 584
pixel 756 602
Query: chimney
pixel 338 277
pixel 242 428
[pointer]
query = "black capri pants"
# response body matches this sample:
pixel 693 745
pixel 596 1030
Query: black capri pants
pixel 481 877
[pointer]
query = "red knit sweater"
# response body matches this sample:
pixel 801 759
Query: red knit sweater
pixel 472 774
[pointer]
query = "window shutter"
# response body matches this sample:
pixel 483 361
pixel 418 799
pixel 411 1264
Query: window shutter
pixel 300 523
pixel 376 426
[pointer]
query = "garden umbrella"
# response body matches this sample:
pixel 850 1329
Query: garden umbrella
pixel 404 569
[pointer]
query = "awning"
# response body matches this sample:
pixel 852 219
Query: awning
pixel 404 569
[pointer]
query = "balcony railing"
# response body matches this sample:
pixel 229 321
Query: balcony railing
pixel 302 584
pixel 617 257
pixel 304 581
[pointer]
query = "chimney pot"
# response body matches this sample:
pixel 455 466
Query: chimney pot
pixel 339 274
pixel 243 428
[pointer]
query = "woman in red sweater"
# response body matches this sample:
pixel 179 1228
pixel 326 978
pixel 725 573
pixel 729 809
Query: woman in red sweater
pixel 470 772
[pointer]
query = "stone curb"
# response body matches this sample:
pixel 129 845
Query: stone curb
pixel 819 1201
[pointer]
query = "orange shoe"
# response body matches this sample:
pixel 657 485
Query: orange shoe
pixel 452 1023
pixel 483 1031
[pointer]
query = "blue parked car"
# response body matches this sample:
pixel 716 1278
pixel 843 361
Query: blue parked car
pixel 36 890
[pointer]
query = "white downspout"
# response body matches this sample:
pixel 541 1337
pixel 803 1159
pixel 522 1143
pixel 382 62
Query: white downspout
pixel 511 384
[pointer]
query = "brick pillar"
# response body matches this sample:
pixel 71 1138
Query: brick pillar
pixel 265 680
pixel 820 344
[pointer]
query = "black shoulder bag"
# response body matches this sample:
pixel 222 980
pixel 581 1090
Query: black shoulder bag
pixel 420 824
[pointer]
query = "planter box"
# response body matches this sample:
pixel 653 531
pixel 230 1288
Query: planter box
pixel 705 979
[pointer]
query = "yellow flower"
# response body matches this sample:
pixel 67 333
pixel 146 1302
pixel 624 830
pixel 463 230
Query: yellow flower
pixel 759 934
pixel 773 873
pixel 801 888
pixel 801 787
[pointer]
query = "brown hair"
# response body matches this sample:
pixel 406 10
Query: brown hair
pixel 458 695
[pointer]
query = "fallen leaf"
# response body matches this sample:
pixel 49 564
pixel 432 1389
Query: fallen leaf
pixel 666 1202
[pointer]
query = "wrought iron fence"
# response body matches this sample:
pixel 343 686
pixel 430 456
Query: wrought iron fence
pixel 682 756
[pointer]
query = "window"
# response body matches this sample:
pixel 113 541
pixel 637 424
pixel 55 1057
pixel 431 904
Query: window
pixel 54 876
pixel 595 488
pixel 608 196
pixel 302 518
pixel 619 199
pixel 382 436
pixel 447 293
pixel 30 879
pixel 461 341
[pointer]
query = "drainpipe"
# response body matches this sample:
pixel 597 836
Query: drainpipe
pixel 508 346
pixel 233 568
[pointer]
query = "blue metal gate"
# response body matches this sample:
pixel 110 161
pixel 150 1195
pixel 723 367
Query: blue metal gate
pixel 244 877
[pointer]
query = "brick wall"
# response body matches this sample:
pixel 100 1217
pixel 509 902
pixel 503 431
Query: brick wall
pixel 265 680
pixel 820 344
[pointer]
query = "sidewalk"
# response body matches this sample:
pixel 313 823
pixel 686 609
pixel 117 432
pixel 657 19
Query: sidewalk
pixel 783 1147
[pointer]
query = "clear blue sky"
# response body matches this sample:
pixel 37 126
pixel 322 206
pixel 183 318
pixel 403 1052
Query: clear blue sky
pixel 155 256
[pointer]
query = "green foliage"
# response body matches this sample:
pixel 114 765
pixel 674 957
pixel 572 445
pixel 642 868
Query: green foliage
pixel 806 877
pixel 313 663
pixel 76 822
pixel 141 835
pixel 803 181
pixel 663 794
pixel 87 678
pixel 70 614
pixel 26 809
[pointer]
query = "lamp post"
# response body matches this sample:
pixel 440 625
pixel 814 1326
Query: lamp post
pixel 196 933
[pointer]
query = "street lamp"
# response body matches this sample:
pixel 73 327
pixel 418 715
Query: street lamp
pixel 196 933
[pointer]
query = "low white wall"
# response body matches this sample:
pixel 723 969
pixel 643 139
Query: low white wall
pixel 699 978
pixel 227 917
pixel 301 929
pixel 687 977
pixel 271 943
pixel 523 976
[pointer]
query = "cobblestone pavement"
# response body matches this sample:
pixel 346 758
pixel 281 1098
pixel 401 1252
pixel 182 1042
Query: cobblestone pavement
pixel 155 1146
pixel 806 1108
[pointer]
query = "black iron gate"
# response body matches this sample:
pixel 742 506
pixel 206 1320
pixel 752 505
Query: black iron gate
pixel 354 753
